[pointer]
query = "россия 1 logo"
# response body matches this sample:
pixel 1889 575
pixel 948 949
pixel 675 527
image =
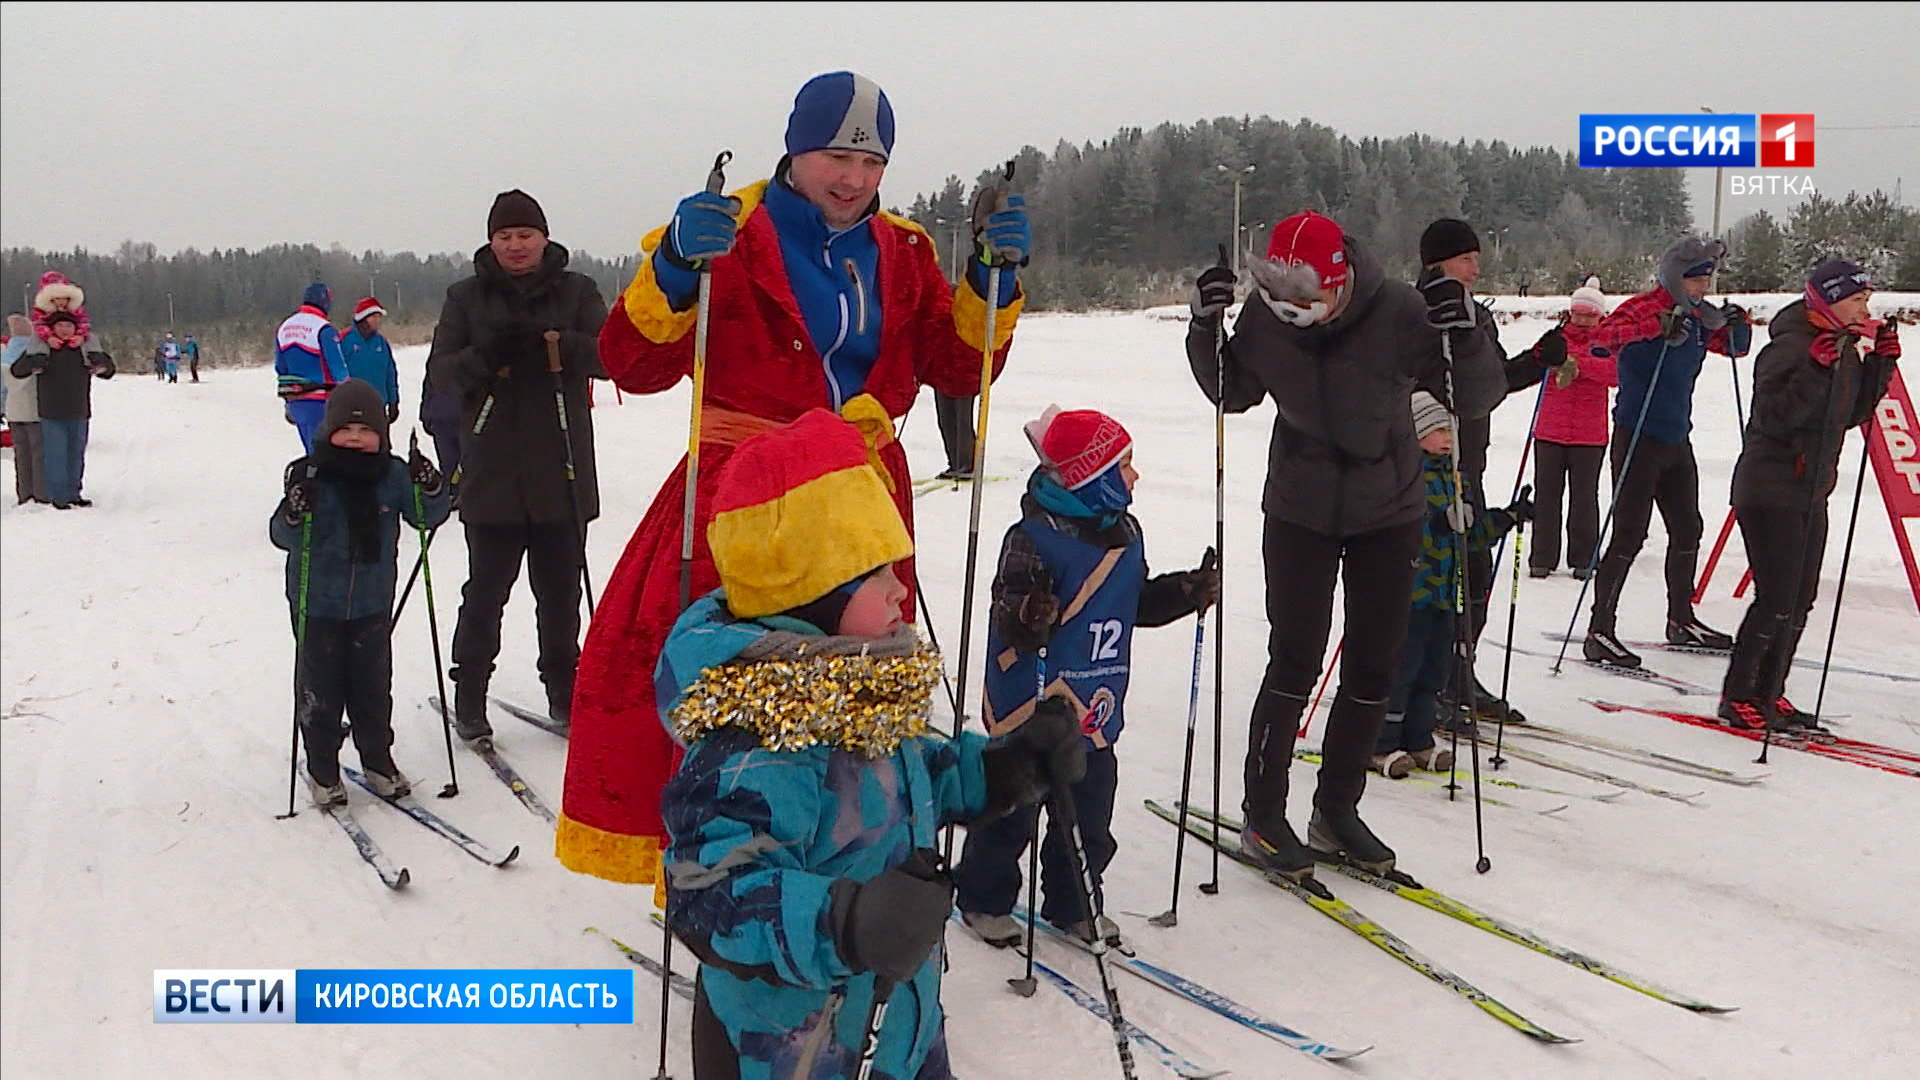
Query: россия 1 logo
pixel 1694 140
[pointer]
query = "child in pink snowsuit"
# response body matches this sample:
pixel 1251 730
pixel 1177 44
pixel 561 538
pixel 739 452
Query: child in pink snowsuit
pixel 1570 442
pixel 58 294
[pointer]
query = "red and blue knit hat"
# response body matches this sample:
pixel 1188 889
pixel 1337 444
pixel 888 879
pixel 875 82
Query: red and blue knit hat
pixel 1078 445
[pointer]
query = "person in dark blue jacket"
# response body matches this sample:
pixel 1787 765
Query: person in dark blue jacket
pixel 340 527
pixel 369 356
pixel 1071 586
pixel 1662 338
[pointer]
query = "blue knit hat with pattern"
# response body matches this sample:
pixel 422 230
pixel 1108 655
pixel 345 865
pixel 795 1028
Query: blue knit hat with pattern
pixel 318 295
pixel 841 111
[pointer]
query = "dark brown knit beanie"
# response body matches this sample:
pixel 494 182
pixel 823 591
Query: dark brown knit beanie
pixel 354 402
pixel 514 209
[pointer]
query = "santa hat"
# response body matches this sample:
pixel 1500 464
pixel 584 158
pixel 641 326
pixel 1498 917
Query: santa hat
pixel 1311 240
pixel 53 286
pixel 798 512
pixel 367 306
pixel 1078 445
pixel 1588 297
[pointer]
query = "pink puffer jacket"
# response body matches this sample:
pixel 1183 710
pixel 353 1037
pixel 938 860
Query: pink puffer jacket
pixel 1577 415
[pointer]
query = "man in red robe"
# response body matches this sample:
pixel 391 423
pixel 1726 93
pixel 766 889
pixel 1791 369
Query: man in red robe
pixel 819 299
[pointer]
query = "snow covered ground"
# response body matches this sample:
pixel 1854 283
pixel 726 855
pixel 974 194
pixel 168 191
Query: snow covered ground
pixel 144 701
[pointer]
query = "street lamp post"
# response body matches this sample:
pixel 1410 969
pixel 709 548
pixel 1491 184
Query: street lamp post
pixel 169 311
pixel 1238 176
pixel 953 245
pixel 1718 172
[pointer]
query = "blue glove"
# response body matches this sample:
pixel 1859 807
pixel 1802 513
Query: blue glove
pixel 702 230
pixel 1006 240
pixel 1008 236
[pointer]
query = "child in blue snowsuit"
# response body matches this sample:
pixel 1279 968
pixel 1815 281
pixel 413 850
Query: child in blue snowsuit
pixel 1072 581
pixel 803 819
pixel 344 504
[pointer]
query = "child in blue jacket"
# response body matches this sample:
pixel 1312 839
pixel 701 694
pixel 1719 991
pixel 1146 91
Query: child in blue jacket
pixel 1071 586
pixel 340 527
pixel 803 818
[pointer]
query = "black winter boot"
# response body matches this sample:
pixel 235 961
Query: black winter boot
pixel 1276 849
pixel 1342 834
pixel 470 708
pixel 560 704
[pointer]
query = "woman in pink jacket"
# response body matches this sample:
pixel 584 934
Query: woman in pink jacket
pixel 1570 442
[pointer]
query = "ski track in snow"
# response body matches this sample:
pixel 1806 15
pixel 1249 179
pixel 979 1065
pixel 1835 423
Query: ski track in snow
pixel 144 718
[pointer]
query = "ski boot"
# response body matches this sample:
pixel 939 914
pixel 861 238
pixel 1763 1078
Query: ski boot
pixel 1694 634
pixel 1082 933
pixel 1539 571
pixel 1743 715
pixel 470 710
pixel 1345 837
pixel 1397 765
pixel 1794 719
pixel 1492 708
pixel 1604 648
pixel 386 780
pixel 999 931
pixel 1278 851
pixel 325 795
pixel 560 706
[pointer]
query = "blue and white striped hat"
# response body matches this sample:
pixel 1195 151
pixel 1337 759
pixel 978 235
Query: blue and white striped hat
pixel 841 111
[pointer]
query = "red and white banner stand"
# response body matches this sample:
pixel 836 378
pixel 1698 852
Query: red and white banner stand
pixel 1893 442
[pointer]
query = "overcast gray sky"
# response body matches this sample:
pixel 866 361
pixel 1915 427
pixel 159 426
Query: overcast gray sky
pixel 391 126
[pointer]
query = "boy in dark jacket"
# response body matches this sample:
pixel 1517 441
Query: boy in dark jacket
pixel 803 818
pixel 1427 659
pixel 1810 384
pixel 340 527
pixel 1071 587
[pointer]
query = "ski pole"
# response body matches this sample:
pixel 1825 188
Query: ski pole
pixel 299 656
pixel 1211 886
pixel 1840 591
pixel 433 618
pixel 566 444
pixel 1024 986
pixel 418 561
pixel 1061 806
pixel 1463 617
pixel 1333 664
pixel 985 204
pixel 716 184
pixel 1619 483
pixel 1520 474
pixel 926 619
pixel 1506 662
pixel 1171 916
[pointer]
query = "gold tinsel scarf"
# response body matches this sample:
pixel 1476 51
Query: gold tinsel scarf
pixel 795 691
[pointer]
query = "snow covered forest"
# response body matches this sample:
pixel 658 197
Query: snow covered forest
pixel 1124 225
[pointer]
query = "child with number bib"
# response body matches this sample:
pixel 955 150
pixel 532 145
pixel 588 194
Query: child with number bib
pixel 1072 583
pixel 353 495
pixel 803 819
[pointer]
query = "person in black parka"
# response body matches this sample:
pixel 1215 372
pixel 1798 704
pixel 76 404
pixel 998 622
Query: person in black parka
pixel 1811 383
pixel 1340 350
pixel 517 502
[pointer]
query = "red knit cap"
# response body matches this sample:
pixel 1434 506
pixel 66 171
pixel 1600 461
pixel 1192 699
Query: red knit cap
pixel 1310 239
pixel 1078 445
pixel 367 306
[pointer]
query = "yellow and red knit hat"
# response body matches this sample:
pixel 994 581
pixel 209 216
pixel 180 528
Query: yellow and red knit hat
pixel 798 512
